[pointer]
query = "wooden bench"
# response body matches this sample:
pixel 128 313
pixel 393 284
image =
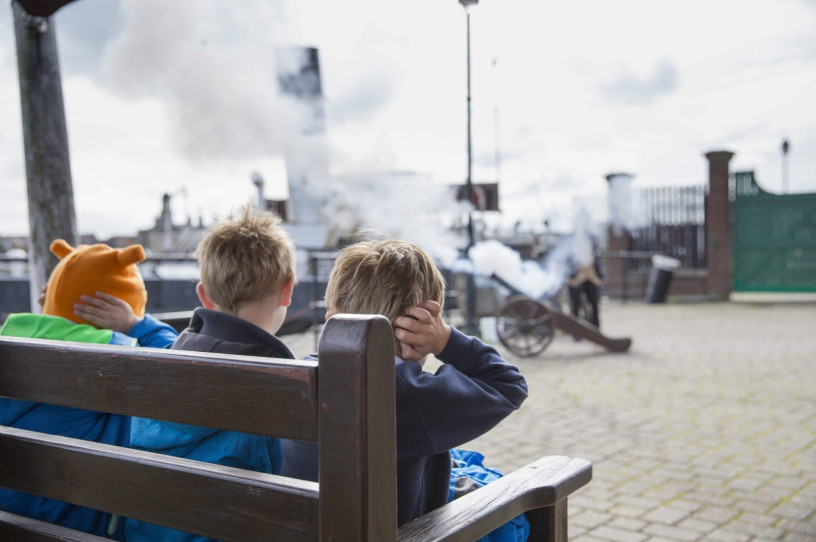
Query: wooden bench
pixel 346 404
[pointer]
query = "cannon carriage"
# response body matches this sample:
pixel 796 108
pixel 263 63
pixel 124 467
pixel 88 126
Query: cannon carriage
pixel 527 325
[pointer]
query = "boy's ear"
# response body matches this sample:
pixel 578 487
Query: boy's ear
pixel 205 299
pixel 286 292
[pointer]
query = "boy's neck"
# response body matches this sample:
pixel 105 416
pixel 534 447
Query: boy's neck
pixel 266 313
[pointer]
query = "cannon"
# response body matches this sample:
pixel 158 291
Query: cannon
pixel 526 326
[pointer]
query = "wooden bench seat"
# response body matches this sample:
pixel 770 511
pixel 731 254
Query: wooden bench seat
pixel 349 411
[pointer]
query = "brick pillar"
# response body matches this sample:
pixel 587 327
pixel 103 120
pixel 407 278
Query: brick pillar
pixel 618 239
pixel 719 252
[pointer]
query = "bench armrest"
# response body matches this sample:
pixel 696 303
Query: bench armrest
pixel 544 483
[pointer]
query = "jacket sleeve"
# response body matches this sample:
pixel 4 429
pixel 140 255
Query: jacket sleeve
pixel 153 333
pixel 473 391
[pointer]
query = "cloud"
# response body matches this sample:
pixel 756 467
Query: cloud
pixel 630 89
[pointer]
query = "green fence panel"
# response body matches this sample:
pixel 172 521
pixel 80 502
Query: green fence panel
pixel 774 239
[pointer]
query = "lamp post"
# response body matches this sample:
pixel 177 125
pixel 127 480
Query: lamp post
pixel 785 149
pixel 471 327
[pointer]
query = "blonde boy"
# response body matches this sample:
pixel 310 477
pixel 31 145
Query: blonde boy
pixel 247 277
pixel 471 392
pixel 391 278
pixel 248 269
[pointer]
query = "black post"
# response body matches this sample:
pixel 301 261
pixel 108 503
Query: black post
pixel 471 326
pixel 45 135
pixel 785 149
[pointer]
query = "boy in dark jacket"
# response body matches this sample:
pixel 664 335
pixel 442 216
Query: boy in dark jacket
pixel 247 277
pixel 470 393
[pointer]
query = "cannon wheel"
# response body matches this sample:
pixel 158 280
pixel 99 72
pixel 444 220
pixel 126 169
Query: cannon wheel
pixel 525 325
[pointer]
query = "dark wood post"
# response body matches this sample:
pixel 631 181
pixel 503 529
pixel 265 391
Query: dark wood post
pixel 51 211
pixel 358 489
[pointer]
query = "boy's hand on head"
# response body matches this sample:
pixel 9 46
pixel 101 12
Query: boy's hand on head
pixel 107 312
pixel 421 331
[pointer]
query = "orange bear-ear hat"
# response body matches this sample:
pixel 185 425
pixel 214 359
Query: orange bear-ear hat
pixel 88 269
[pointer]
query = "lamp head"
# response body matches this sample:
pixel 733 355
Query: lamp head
pixel 467 3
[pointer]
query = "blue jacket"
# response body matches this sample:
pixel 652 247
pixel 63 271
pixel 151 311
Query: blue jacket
pixel 469 473
pixel 209 331
pixel 72 422
pixel 473 391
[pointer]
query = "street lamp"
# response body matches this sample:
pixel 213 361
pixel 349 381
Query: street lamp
pixel 785 149
pixel 471 328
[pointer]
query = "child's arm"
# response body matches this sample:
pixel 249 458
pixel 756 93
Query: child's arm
pixel 473 391
pixel 107 312
pixel 421 331
pixel 469 394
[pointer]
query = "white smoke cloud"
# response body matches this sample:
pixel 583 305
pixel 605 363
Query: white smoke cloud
pixel 535 279
pixel 625 211
pixel 405 205
pixel 172 50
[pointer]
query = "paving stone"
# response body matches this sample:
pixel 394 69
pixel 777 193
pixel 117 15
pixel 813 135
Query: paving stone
pixel 618 535
pixel 750 528
pixel 747 483
pixel 799 527
pixel 595 503
pixel 685 504
pixel 627 511
pixel 799 537
pixel 791 483
pixel 667 515
pixel 590 519
pixel 628 524
pixel 698 525
pixel 793 511
pixel 723 535
pixel 670 532
pixel 714 499
pixel 751 506
pixel 638 502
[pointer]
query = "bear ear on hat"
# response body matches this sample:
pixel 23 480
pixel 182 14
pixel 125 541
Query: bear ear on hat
pixel 60 248
pixel 131 254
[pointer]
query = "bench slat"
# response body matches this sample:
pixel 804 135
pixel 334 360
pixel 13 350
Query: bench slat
pixel 14 527
pixel 229 503
pixel 543 483
pixel 246 394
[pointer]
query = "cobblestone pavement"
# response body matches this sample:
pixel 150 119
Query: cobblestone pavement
pixel 704 430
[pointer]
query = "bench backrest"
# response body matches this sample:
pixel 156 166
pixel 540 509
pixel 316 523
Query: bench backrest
pixel 345 403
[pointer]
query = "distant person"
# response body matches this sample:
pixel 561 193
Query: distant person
pixel 247 278
pixel 586 280
pixel 89 285
pixel 470 393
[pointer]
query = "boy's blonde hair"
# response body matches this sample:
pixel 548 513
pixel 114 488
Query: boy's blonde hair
pixel 245 259
pixel 383 277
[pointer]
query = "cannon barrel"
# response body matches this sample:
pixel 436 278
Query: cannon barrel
pixel 513 289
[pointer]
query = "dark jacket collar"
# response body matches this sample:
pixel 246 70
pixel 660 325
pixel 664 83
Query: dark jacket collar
pixel 229 334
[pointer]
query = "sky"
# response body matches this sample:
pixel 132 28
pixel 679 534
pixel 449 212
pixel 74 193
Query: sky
pixel 180 97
